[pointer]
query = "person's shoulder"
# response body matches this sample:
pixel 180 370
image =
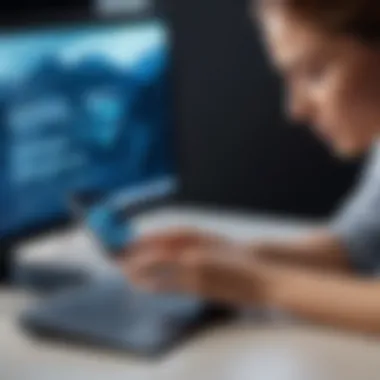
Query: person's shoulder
pixel 373 162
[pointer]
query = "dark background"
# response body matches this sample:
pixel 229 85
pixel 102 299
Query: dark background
pixel 237 149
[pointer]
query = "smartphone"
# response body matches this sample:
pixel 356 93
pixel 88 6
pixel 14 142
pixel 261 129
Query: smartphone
pixel 108 216
pixel 110 226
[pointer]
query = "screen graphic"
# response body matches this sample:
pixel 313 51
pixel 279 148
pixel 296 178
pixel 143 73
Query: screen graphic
pixel 85 108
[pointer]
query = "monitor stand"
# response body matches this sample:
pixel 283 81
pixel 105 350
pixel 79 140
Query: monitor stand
pixel 6 263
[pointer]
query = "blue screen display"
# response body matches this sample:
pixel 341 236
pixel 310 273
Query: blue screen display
pixel 84 108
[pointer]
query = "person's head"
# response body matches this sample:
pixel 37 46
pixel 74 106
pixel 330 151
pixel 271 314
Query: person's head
pixel 328 52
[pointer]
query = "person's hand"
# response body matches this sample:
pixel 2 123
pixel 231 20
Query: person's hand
pixel 220 272
pixel 174 241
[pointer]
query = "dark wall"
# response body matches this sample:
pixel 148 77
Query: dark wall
pixel 25 7
pixel 237 147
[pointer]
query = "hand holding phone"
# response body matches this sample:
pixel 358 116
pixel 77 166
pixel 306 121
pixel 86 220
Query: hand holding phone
pixel 111 228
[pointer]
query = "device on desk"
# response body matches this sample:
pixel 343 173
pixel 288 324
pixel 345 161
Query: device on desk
pixel 108 217
pixel 85 106
pixel 87 109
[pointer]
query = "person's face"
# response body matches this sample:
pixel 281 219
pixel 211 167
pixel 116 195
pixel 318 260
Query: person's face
pixel 333 82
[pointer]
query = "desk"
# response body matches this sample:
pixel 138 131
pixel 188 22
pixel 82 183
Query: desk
pixel 244 350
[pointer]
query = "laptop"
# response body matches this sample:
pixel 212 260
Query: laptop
pixel 89 133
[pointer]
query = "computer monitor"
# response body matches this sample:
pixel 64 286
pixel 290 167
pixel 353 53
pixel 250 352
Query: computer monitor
pixel 84 107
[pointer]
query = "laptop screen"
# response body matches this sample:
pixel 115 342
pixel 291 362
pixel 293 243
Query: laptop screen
pixel 83 108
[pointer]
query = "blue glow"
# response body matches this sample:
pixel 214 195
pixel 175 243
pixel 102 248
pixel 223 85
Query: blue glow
pixel 85 108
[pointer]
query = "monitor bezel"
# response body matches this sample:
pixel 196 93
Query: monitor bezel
pixel 43 22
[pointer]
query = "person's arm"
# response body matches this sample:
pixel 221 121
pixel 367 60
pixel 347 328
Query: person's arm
pixel 317 250
pixel 338 300
pixel 229 276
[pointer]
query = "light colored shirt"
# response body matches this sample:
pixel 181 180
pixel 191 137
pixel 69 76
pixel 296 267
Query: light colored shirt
pixel 357 224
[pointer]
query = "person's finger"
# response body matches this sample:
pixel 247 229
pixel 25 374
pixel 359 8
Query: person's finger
pixel 173 236
pixel 157 281
pixel 153 285
pixel 156 266
pixel 162 273
pixel 209 273
pixel 173 239
pixel 191 266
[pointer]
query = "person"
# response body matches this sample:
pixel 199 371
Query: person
pixel 329 55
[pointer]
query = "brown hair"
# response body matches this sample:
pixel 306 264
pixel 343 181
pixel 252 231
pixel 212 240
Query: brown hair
pixel 359 18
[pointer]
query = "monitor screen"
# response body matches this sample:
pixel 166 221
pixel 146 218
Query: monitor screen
pixel 83 108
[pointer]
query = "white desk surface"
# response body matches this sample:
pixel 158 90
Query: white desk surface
pixel 245 350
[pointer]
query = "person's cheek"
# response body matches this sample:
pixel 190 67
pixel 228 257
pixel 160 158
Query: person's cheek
pixel 354 104
pixel 335 114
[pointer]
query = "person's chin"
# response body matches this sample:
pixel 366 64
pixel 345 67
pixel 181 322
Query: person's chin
pixel 347 151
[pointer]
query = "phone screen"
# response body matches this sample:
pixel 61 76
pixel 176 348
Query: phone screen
pixel 109 226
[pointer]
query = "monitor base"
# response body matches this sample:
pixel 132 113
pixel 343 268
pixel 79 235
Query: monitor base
pixel 6 264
